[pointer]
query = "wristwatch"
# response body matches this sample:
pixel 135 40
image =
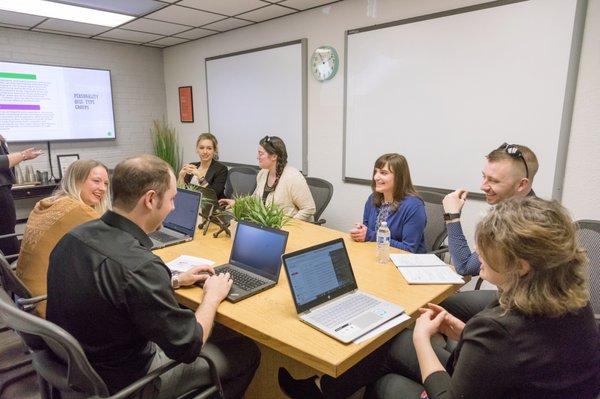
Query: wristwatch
pixel 175 280
pixel 451 216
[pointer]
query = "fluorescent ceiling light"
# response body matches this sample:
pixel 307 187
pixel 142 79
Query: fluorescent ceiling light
pixel 64 11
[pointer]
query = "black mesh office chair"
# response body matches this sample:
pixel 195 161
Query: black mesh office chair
pixel 321 191
pixel 435 231
pixel 241 180
pixel 63 367
pixel 588 232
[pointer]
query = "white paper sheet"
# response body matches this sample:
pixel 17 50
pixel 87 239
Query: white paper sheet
pixel 408 260
pixel 430 275
pixel 185 262
pixel 382 328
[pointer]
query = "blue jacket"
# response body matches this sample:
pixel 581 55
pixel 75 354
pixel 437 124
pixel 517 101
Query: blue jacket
pixel 407 224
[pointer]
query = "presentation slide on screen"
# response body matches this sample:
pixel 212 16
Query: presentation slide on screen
pixel 48 103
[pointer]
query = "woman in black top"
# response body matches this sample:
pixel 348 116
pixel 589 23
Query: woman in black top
pixel 539 340
pixel 10 246
pixel 208 172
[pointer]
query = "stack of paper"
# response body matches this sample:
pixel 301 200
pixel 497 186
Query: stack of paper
pixel 425 269
pixel 186 262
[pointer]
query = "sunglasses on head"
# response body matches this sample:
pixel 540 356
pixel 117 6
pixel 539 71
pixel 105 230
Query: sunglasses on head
pixel 514 152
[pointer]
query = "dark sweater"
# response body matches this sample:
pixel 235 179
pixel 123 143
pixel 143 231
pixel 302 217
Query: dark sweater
pixel 513 356
pixel 216 176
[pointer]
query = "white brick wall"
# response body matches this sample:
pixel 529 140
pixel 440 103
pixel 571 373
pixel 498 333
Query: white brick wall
pixel 137 83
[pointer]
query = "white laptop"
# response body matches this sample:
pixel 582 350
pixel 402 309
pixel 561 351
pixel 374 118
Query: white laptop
pixel 179 225
pixel 326 295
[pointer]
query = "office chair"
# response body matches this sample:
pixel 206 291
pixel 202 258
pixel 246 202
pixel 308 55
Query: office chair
pixel 64 368
pixel 241 180
pixel 435 231
pixel 18 236
pixel 321 191
pixel 588 232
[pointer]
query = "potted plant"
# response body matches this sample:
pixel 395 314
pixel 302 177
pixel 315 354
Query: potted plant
pixel 165 143
pixel 251 208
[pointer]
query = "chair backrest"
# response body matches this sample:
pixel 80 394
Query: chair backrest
pixel 10 282
pixel 435 231
pixel 588 232
pixel 64 363
pixel 241 180
pixel 321 191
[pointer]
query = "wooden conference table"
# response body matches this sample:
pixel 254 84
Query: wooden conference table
pixel 270 318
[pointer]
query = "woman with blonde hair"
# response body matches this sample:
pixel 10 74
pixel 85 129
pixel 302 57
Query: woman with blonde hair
pixel 83 196
pixel 208 172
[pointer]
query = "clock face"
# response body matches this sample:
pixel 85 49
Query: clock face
pixel 324 63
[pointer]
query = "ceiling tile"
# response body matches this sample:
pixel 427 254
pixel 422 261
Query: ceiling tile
pixel 195 33
pixel 110 39
pixel 169 41
pixel 304 4
pixel 184 15
pixel 16 18
pixel 13 26
pixel 151 26
pixel 225 7
pixel 71 27
pixel 130 7
pixel 129 35
pixel 227 24
pixel 268 12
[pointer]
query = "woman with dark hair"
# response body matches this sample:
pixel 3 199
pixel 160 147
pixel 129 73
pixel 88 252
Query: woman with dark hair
pixel 395 201
pixel 279 183
pixel 208 172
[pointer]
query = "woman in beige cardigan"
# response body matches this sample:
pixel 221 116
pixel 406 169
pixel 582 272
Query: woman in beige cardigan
pixel 279 183
pixel 83 195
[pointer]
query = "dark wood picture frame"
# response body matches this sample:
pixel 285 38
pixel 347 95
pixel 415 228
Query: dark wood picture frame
pixel 64 160
pixel 186 104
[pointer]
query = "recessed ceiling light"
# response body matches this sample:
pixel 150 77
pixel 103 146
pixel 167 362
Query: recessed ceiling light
pixel 64 11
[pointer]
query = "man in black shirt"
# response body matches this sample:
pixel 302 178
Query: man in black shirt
pixel 114 295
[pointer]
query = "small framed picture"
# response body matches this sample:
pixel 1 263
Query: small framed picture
pixel 186 104
pixel 64 161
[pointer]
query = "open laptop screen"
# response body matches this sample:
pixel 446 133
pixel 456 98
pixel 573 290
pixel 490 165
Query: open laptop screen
pixel 319 274
pixel 183 217
pixel 258 249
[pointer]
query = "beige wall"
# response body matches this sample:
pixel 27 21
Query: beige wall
pixel 184 65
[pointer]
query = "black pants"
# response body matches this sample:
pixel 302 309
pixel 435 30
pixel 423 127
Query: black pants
pixel 466 304
pixel 392 371
pixel 8 220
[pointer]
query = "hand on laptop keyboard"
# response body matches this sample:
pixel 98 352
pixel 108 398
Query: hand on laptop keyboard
pixel 195 275
pixel 217 287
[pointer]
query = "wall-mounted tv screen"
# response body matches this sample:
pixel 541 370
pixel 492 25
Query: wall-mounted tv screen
pixel 52 103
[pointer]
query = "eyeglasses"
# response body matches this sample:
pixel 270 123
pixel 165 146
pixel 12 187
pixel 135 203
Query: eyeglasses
pixel 514 152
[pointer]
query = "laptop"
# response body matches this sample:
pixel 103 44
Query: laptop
pixel 255 260
pixel 326 295
pixel 179 225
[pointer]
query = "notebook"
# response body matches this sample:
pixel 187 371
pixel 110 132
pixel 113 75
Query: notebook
pixel 179 225
pixel 326 294
pixel 255 260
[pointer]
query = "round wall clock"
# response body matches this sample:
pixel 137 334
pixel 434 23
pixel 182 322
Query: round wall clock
pixel 324 63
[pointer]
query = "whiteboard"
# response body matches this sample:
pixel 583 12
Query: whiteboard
pixel 446 89
pixel 255 93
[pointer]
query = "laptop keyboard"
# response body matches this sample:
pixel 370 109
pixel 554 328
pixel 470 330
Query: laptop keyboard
pixel 242 280
pixel 162 237
pixel 344 310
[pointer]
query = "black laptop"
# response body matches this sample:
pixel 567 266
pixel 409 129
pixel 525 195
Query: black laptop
pixel 255 260
pixel 179 225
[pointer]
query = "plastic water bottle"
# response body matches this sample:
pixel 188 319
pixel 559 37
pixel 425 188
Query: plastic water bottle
pixel 383 243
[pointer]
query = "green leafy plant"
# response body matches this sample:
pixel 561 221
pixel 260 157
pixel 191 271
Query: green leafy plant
pixel 251 208
pixel 165 143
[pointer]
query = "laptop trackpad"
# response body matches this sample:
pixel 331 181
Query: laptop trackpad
pixel 365 320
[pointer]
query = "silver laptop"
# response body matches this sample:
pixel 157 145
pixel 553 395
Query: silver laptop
pixel 179 225
pixel 326 295
pixel 255 260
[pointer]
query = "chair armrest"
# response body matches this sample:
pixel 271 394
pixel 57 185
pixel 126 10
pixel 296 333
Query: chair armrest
pixel 319 222
pixel 151 376
pixel 11 235
pixel 439 251
pixel 28 304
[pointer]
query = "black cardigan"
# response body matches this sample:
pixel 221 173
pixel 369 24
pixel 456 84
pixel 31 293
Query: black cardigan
pixel 514 356
pixel 216 176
